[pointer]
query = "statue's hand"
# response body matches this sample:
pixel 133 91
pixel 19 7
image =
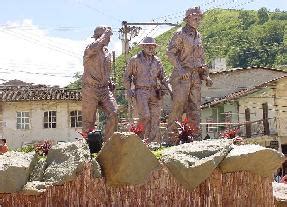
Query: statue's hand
pixel 131 93
pixel 184 75
pixel 109 31
pixel 112 85
pixel 208 81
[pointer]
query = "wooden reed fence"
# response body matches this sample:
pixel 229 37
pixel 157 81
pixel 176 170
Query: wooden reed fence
pixel 238 189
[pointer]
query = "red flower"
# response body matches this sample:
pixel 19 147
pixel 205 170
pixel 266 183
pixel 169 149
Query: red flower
pixel 229 134
pixel 187 130
pixel 138 129
pixel 238 140
pixel 43 148
pixel 85 133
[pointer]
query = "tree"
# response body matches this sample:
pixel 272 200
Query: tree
pixel 279 15
pixel 77 84
pixel 246 18
pixel 262 15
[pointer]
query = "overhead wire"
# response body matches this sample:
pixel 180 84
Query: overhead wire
pixel 98 10
pixel 38 42
pixel 172 16
pixel 35 73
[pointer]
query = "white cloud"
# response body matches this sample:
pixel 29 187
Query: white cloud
pixel 116 45
pixel 28 53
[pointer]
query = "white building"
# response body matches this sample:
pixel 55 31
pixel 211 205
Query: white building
pixel 31 113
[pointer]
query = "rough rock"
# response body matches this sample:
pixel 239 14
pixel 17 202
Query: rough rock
pixel 15 168
pixel 96 169
pixel 280 193
pixel 192 163
pixel 35 188
pixel 64 161
pixel 125 159
pixel 254 158
pixel 37 173
pixel 154 146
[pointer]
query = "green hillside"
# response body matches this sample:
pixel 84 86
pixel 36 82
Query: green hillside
pixel 245 38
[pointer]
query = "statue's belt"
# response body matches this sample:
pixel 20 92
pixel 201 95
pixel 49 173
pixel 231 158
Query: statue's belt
pixel 145 87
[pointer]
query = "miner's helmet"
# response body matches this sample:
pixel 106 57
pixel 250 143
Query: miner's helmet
pixel 193 11
pixel 99 31
pixel 148 41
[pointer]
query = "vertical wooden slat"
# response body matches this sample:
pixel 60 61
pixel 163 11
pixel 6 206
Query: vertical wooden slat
pixel 265 119
pixel 247 125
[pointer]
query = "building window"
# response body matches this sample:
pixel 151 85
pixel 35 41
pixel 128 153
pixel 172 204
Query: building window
pixel 23 120
pixel 210 128
pixel 76 118
pixel 50 119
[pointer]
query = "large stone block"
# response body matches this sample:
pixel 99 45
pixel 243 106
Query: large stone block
pixel 125 159
pixel 253 158
pixel 64 161
pixel 192 163
pixel 35 188
pixel 37 172
pixel 15 168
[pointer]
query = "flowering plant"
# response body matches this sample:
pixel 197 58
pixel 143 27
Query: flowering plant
pixel 229 134
pixel 186 130
pixel 43 148
pixel 137 129
pixel 238 140
pixel 86 133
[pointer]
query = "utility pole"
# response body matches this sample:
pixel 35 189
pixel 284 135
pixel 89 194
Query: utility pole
pixel 126 33
pixel 114 66
pixel 131 30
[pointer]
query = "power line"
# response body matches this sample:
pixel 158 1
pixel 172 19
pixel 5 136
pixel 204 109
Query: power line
pixel 179 13
pixel 62 28
pixel 98 10
pixel 38 42
pixel 36 73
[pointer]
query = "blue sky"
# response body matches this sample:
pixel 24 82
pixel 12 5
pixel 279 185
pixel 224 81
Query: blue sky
pixel 76 18
pixel 42 41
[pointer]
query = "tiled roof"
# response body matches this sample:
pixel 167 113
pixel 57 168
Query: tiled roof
pixel 244 69
pixel 241 93
pixel 37 93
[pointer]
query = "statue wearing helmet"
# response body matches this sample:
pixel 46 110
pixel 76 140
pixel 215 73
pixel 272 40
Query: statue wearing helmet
pixel 185 52
pixel 146 72
pixel 96 83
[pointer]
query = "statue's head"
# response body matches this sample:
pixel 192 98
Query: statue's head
pixel 99 31
pixel 149 45
pixel 193 16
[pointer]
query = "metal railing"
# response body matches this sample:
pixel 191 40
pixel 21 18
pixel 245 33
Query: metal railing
pixel 245 129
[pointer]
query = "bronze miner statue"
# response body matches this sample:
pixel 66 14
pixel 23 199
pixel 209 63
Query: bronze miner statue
pixel 96 83
pixel 146 72
pixel 185 52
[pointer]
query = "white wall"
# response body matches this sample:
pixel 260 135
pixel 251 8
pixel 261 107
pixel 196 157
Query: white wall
pixel 254 103
pixel 281 102
pixel 63 132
